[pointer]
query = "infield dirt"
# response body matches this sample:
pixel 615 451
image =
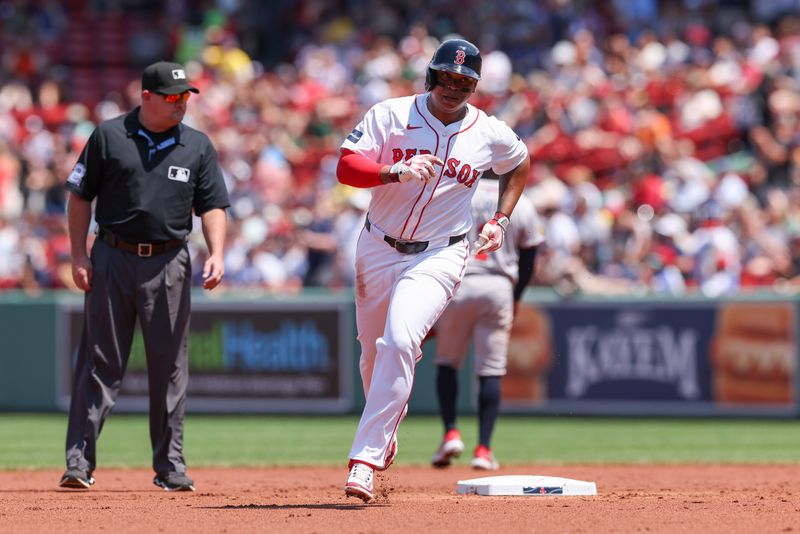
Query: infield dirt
pixel 674 498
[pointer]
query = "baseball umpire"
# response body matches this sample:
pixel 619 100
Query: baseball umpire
pixel 422 155
pixel 483 310
pixel 147 171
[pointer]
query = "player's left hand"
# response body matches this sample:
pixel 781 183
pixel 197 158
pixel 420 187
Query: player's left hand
pixel 491 236
pixel 213 269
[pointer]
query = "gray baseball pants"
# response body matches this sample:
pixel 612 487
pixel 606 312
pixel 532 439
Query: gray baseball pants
pixel 156 290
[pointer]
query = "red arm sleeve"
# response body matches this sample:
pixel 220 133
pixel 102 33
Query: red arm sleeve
pixel 358 171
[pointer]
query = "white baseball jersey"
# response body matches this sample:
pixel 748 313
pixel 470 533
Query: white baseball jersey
pixel 399 296
pixel 400 128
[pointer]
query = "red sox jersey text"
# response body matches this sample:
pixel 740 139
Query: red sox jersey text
pixel 400 128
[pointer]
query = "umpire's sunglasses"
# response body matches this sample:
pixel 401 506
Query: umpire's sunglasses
pixel 171 99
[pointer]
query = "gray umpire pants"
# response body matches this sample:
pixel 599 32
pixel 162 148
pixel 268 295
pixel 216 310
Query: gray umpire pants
pixel 155 289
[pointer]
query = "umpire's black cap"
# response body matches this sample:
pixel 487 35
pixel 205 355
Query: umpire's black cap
pixel 166 78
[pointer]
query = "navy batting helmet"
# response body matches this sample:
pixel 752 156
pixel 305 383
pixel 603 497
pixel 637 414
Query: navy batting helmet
pixel 454 55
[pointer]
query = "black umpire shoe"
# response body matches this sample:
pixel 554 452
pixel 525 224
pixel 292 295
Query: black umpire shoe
pixel 76 479
pixel 174 481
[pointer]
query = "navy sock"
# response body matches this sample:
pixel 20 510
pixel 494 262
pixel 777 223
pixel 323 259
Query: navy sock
pixel 447 391
pixel 488 407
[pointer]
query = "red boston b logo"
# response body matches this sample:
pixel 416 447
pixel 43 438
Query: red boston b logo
pixel 460 55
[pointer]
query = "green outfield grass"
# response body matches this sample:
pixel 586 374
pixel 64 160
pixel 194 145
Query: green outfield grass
pixel 37 441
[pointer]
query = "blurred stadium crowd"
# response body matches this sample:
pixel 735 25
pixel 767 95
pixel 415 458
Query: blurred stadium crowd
pixel 665 136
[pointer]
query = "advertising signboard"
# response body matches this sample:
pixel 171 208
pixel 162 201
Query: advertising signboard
pixel 638 357
pixel 246 357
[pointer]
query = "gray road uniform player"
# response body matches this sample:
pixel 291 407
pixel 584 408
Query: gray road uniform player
pixel 482 312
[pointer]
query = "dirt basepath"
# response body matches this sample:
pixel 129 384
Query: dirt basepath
pixel 652 499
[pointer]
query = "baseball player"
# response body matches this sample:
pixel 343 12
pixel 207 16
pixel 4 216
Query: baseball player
pixel 423 156
pixel 483 309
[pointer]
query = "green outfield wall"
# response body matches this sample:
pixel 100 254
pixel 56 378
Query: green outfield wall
pixel 261 353
pixel 28 364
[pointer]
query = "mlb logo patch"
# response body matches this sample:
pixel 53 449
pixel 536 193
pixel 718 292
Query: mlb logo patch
pixel 354 136
pixel 178 74
pixel 179 174
pixel 77 174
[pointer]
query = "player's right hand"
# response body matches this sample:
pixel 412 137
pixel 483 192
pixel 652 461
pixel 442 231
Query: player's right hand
pixel 420 167
pixel 82 273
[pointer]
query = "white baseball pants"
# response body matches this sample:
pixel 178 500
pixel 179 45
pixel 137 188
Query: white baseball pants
pixel 399 297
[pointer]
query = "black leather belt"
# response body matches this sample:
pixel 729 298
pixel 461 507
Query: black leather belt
pixel 144 250
pixel 406 246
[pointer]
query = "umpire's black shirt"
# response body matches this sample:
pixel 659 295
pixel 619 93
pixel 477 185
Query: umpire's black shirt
pixel 147 183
